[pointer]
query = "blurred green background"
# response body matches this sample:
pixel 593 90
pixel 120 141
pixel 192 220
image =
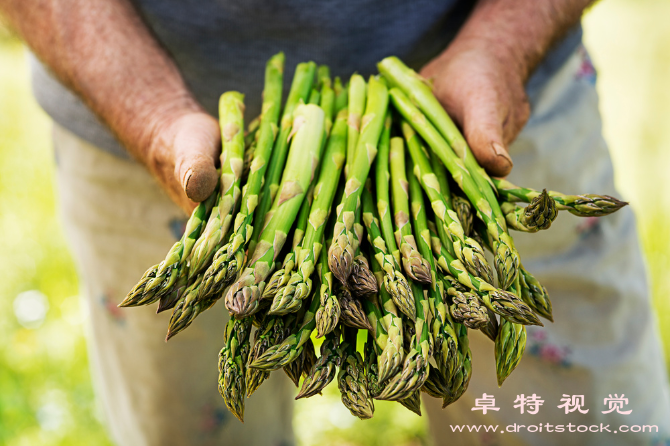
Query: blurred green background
pixel 45 390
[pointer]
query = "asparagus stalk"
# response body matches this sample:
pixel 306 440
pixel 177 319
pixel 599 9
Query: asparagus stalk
pixel 362 282
pixel 229 259
pixel 351 379
pixel 344 244
pixel 413 375
pixel 289 350
pixel 390 358
pixel 491 328
pixel 465 248
pixel 442 327
pixel 382 181
pixel 585 205
pixel 185 311
pixel 314 97
pixel 461 379
pixel 467 309
pixel 273 331
pixel 243 296
pixel 323 372
pixel 328 314
pixel 250 136
pixel 231 112
pixel 538 215
pixel 436 384
pixel 535 295
pixel 357 99
pixel 281 277
pixel 500 302
pixel 352 313
pixel 506 256
pixel 463 209
pixel 341 95
pixel 509 348
pixel 301 87
pixel 416 267
pixel 394 282
pixel 232 359
pixel 413 402
pixel 327 102
pixel 302 365
pixel 168 301
pixel 371 352
pixel 299 286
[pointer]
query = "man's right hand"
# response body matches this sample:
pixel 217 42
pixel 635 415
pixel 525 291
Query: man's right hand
pixel 182 155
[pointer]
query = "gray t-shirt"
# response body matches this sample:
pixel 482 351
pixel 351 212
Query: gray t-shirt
pixel 222 45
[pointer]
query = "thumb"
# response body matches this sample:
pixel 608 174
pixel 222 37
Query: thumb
pixel 484 132
pixel 196 145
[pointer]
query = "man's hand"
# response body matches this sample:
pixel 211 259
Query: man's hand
pixel 485 95
pixel 480 77
pixel 182 155
pixel 103 51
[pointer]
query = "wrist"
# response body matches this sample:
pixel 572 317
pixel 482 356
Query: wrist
pixel 518 33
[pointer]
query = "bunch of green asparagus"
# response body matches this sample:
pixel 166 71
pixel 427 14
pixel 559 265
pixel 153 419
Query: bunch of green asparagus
pixel 388 216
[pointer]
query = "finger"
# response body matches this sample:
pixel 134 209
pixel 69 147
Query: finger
pixel 483 126
pixel 196 147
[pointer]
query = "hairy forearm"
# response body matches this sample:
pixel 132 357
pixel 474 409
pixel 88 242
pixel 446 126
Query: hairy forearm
pixel 520 31
pixel 102 50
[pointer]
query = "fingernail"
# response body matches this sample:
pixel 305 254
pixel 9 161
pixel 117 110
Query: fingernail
pixel 500 151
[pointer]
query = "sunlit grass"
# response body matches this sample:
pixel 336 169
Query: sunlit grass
pixel 45 391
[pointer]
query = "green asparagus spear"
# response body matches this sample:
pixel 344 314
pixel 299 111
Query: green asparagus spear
pixel 231 112
pixel 229 259
pixel 299 286
pixel 325 369
pixel 243 296
pixel 461 379
pixel 185 311
pixel 301 87
pixel 585 205
pixel 416 267
pixel 357 99
pixel 467 309
pixel 362 282
pixel 442 327
pixel 535 295
pixel 436 384
pixel 538 215
pixel 341 95
pixel 273 331
pixel 232 360
pixel 394 282
pixel 463 209
pixel 413 402
pixel 510 345
pixel 344 244
pixel 465 248
pixel 328 314
pixel 278 356
pixel 352 313
pixel 351 379
pixel 280 277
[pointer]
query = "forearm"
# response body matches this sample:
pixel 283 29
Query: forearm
pixel 102 50
pixel 519 31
